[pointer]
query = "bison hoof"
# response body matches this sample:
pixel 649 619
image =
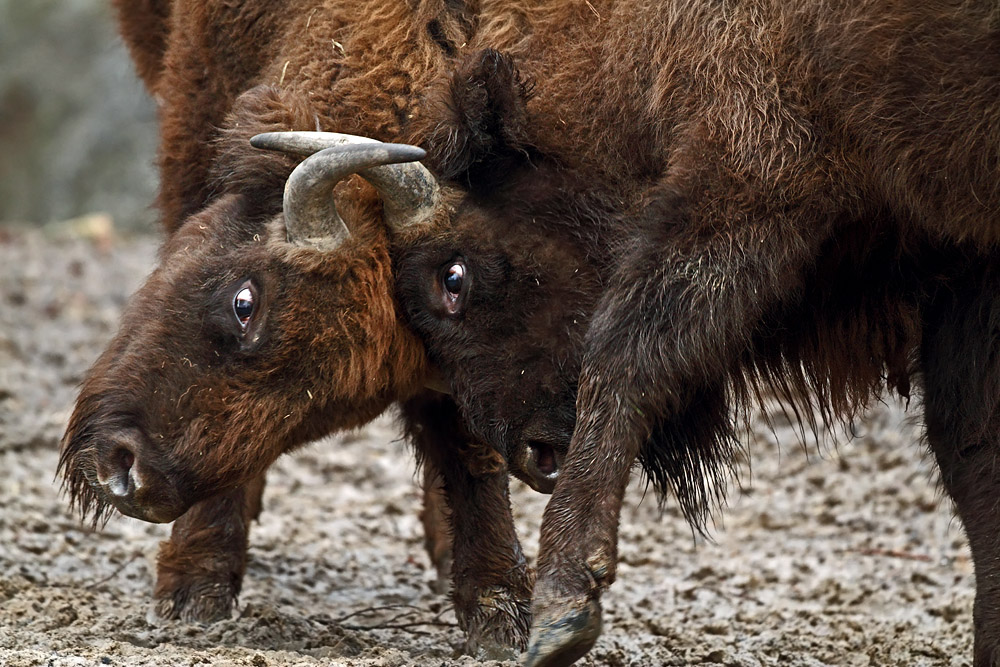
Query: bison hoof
pixel 197 602
pixel 562 639
pixel 485 650
pixel 497 629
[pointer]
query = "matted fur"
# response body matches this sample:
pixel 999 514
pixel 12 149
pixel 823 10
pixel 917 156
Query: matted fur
pixel 771 198
pixel 617 109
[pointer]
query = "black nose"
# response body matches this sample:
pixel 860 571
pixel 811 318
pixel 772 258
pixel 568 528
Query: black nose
pixel 116 472
pixel 131 478
pixel 539 465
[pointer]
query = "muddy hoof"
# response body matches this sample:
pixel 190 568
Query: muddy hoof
pixel 497 629
pixel 561 640
pixel 199 602
pixel 486 650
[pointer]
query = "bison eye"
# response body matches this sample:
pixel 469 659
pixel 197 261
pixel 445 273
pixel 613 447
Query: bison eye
pixel 243 305
pixel 453 279
pixel 453 283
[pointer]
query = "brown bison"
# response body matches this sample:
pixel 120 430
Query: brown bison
pixel 271 318
pixel 678 208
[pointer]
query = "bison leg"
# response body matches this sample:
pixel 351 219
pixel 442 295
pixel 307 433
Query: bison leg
pixel 436 518
pixel 200 569
pixel 680 310
pixel 961 363
pixel 491 581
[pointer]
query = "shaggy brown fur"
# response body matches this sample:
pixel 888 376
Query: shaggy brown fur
pixel 774 197
pixel 145 28
pixel 190 406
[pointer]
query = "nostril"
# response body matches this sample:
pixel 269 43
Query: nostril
pixel 120 483
pixel 544 457
pixel 125 459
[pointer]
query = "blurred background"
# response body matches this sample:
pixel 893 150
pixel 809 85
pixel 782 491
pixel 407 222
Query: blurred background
pixel 77 129
pixel 78 232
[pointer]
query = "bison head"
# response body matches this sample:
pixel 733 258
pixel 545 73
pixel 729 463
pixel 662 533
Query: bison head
pixel 265 325
pixel 502 293
pixel 503 310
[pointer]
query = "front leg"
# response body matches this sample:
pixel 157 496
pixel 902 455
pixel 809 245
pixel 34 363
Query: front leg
pixel 491 580
pixel 436 518
pixel 960 356
pixel 672 326
pixel 199 571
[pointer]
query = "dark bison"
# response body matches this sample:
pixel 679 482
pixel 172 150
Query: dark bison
pixel 271 319
pixel 678 208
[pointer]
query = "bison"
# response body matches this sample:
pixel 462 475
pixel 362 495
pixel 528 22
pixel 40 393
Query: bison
pixel 676 209
pixel 271 319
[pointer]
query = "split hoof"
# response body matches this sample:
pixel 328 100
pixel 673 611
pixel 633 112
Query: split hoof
pixel 485 650
pixel 497 627
pixel 195 602
pixel 560 640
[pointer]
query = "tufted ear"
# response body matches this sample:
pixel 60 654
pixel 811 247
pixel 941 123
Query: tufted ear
pixel 476 125
pixel 240 168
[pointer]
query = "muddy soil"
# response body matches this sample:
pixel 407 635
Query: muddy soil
pixel 840 554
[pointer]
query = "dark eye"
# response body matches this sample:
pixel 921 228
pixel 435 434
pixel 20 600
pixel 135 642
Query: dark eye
pixel 453 279
pixel 243 305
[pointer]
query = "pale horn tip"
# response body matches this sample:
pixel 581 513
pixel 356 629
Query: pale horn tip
pixel 308 143
pixel 269 141
pixel 406 152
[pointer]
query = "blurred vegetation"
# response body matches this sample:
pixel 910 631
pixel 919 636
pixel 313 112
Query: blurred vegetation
pixel 77 129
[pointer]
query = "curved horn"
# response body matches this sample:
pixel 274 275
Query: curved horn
pixel 311 216
pixel 409 191
pixel 305 143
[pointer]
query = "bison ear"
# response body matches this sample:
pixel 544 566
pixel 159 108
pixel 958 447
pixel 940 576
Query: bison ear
pixel 478 121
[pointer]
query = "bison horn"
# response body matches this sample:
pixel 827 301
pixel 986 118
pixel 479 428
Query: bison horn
pixel 409 191
pixel 305 143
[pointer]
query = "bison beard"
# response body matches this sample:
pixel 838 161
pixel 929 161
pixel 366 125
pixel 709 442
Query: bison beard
pixel 772 200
